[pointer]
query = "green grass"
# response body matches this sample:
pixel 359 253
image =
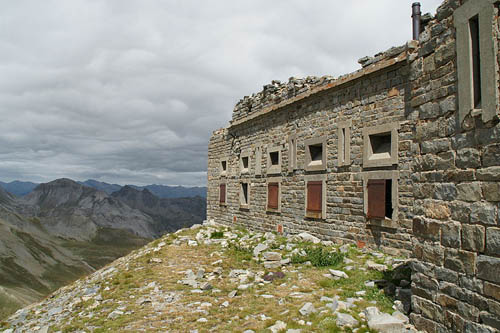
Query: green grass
pixel 319 257
pixel 217 235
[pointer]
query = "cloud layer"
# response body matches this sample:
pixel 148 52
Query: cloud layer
pixel 129 91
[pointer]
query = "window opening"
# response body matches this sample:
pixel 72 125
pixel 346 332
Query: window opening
pixel 476 60
pixel 388 198
pixel 275 158
pixel 314 197
pixel 244 160
pixel 316 152
pixel 224 165
pixel 381 145
pixel 244 192
pixel 344 146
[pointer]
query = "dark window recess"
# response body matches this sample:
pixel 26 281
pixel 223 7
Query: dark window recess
pixel 314 197
pixel 275 158
pixel 224 165
pixel 244 160
pixel 222 193
pixel 316 152
pixel 344 151
pixel 272 195
pixel 476 60
pixel 244 191
pixel 379 198
pixel 381 143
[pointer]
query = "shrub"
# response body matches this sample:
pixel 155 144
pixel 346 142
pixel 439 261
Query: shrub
pixel 217 234
pixel 319 257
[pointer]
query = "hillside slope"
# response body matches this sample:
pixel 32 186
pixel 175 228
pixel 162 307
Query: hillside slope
pixel 216 279
pixel 169 214
pixel 71 210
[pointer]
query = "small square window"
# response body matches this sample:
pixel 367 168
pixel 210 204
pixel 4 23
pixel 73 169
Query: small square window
pixel 245 162
pixel 380 145
pixel 316 154
pixel 273 160
pixel 244 195
pixel 223 167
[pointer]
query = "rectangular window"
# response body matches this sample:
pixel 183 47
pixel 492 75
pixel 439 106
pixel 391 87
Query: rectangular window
pixel 316 154
pixel 379 198
pixel 314 198
pixel 380 145
pixel 244 195
pixel 292 153
pixel 273 160
pixel 245 162
pixel 476 60
pixel 222 194
pixel 258 160
pixel 273 195
pixel 223 167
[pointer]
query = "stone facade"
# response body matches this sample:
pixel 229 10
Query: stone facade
pixel 410 131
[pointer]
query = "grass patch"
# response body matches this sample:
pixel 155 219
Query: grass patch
pixel 217 235
pixel 319 257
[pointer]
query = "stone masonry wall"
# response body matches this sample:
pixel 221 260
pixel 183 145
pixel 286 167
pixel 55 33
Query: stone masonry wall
pixel 456 281
pixel 449 170
pixel 376 99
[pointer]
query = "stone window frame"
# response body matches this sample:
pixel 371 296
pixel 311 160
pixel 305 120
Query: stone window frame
pixel 344 143
pixel 274 180
pixel 258 160
pixel 292 152
pixel 222 172
pixel 273 169
pixel 484 10
pixel 314 141
pixel 241 195
pixel 315 178
pixel 244 171
pixel 391 128
pixel 393 175
pixel 223 204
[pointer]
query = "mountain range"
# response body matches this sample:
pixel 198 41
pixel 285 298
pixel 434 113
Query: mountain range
pixel 62 230
pixel 21 188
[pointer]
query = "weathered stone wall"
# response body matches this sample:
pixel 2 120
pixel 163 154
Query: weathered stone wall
pixel 373 99
pixel 456 281
pixel 448 170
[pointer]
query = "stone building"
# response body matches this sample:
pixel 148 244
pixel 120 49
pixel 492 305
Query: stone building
pixel 403 155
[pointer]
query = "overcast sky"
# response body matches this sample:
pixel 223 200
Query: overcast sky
pixel 128 91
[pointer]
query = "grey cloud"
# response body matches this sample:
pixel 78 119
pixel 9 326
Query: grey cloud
pixel 129 91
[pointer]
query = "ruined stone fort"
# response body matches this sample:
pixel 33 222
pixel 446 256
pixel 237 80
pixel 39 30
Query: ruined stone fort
pixel 402 155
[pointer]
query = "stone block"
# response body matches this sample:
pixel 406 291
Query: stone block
pixel 493 241
pixel 427 308
pixel 490 320
pixel 489 174
pixel 446 274
pixel 435 146
pixel 426 229
pixel 471 327
pixel 469 191
pixel 492 290
pixel 488 268
pixel 473 237
pixel 491 191
pixel 446 301
pixel 460 261
pixel 437 210
pixel 471 283
pixel 468 158
pixel 483 212
pixel 450 234
pixel 446 191
pixel 431 253
pixel 491 155
pixel 460 211
pixel 467 311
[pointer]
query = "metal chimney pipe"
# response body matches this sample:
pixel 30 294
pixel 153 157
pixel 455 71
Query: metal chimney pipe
pixel 415 14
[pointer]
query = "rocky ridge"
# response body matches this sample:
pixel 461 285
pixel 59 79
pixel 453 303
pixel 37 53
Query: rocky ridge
pixel 214 278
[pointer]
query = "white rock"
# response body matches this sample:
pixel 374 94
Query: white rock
pixel 271 256
pixel 308 237
pixel 361 293
pixel 294 330
pixel 202 320
pixel 232 294
pixel 278 326
pixel 344 319
pixel 307 309
pixel 272 264
pixel 192 243
pixel 244 286
pixel 374 266
pixel 339 274
pixel 259 248
pixel 115 314
pixel 370 284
